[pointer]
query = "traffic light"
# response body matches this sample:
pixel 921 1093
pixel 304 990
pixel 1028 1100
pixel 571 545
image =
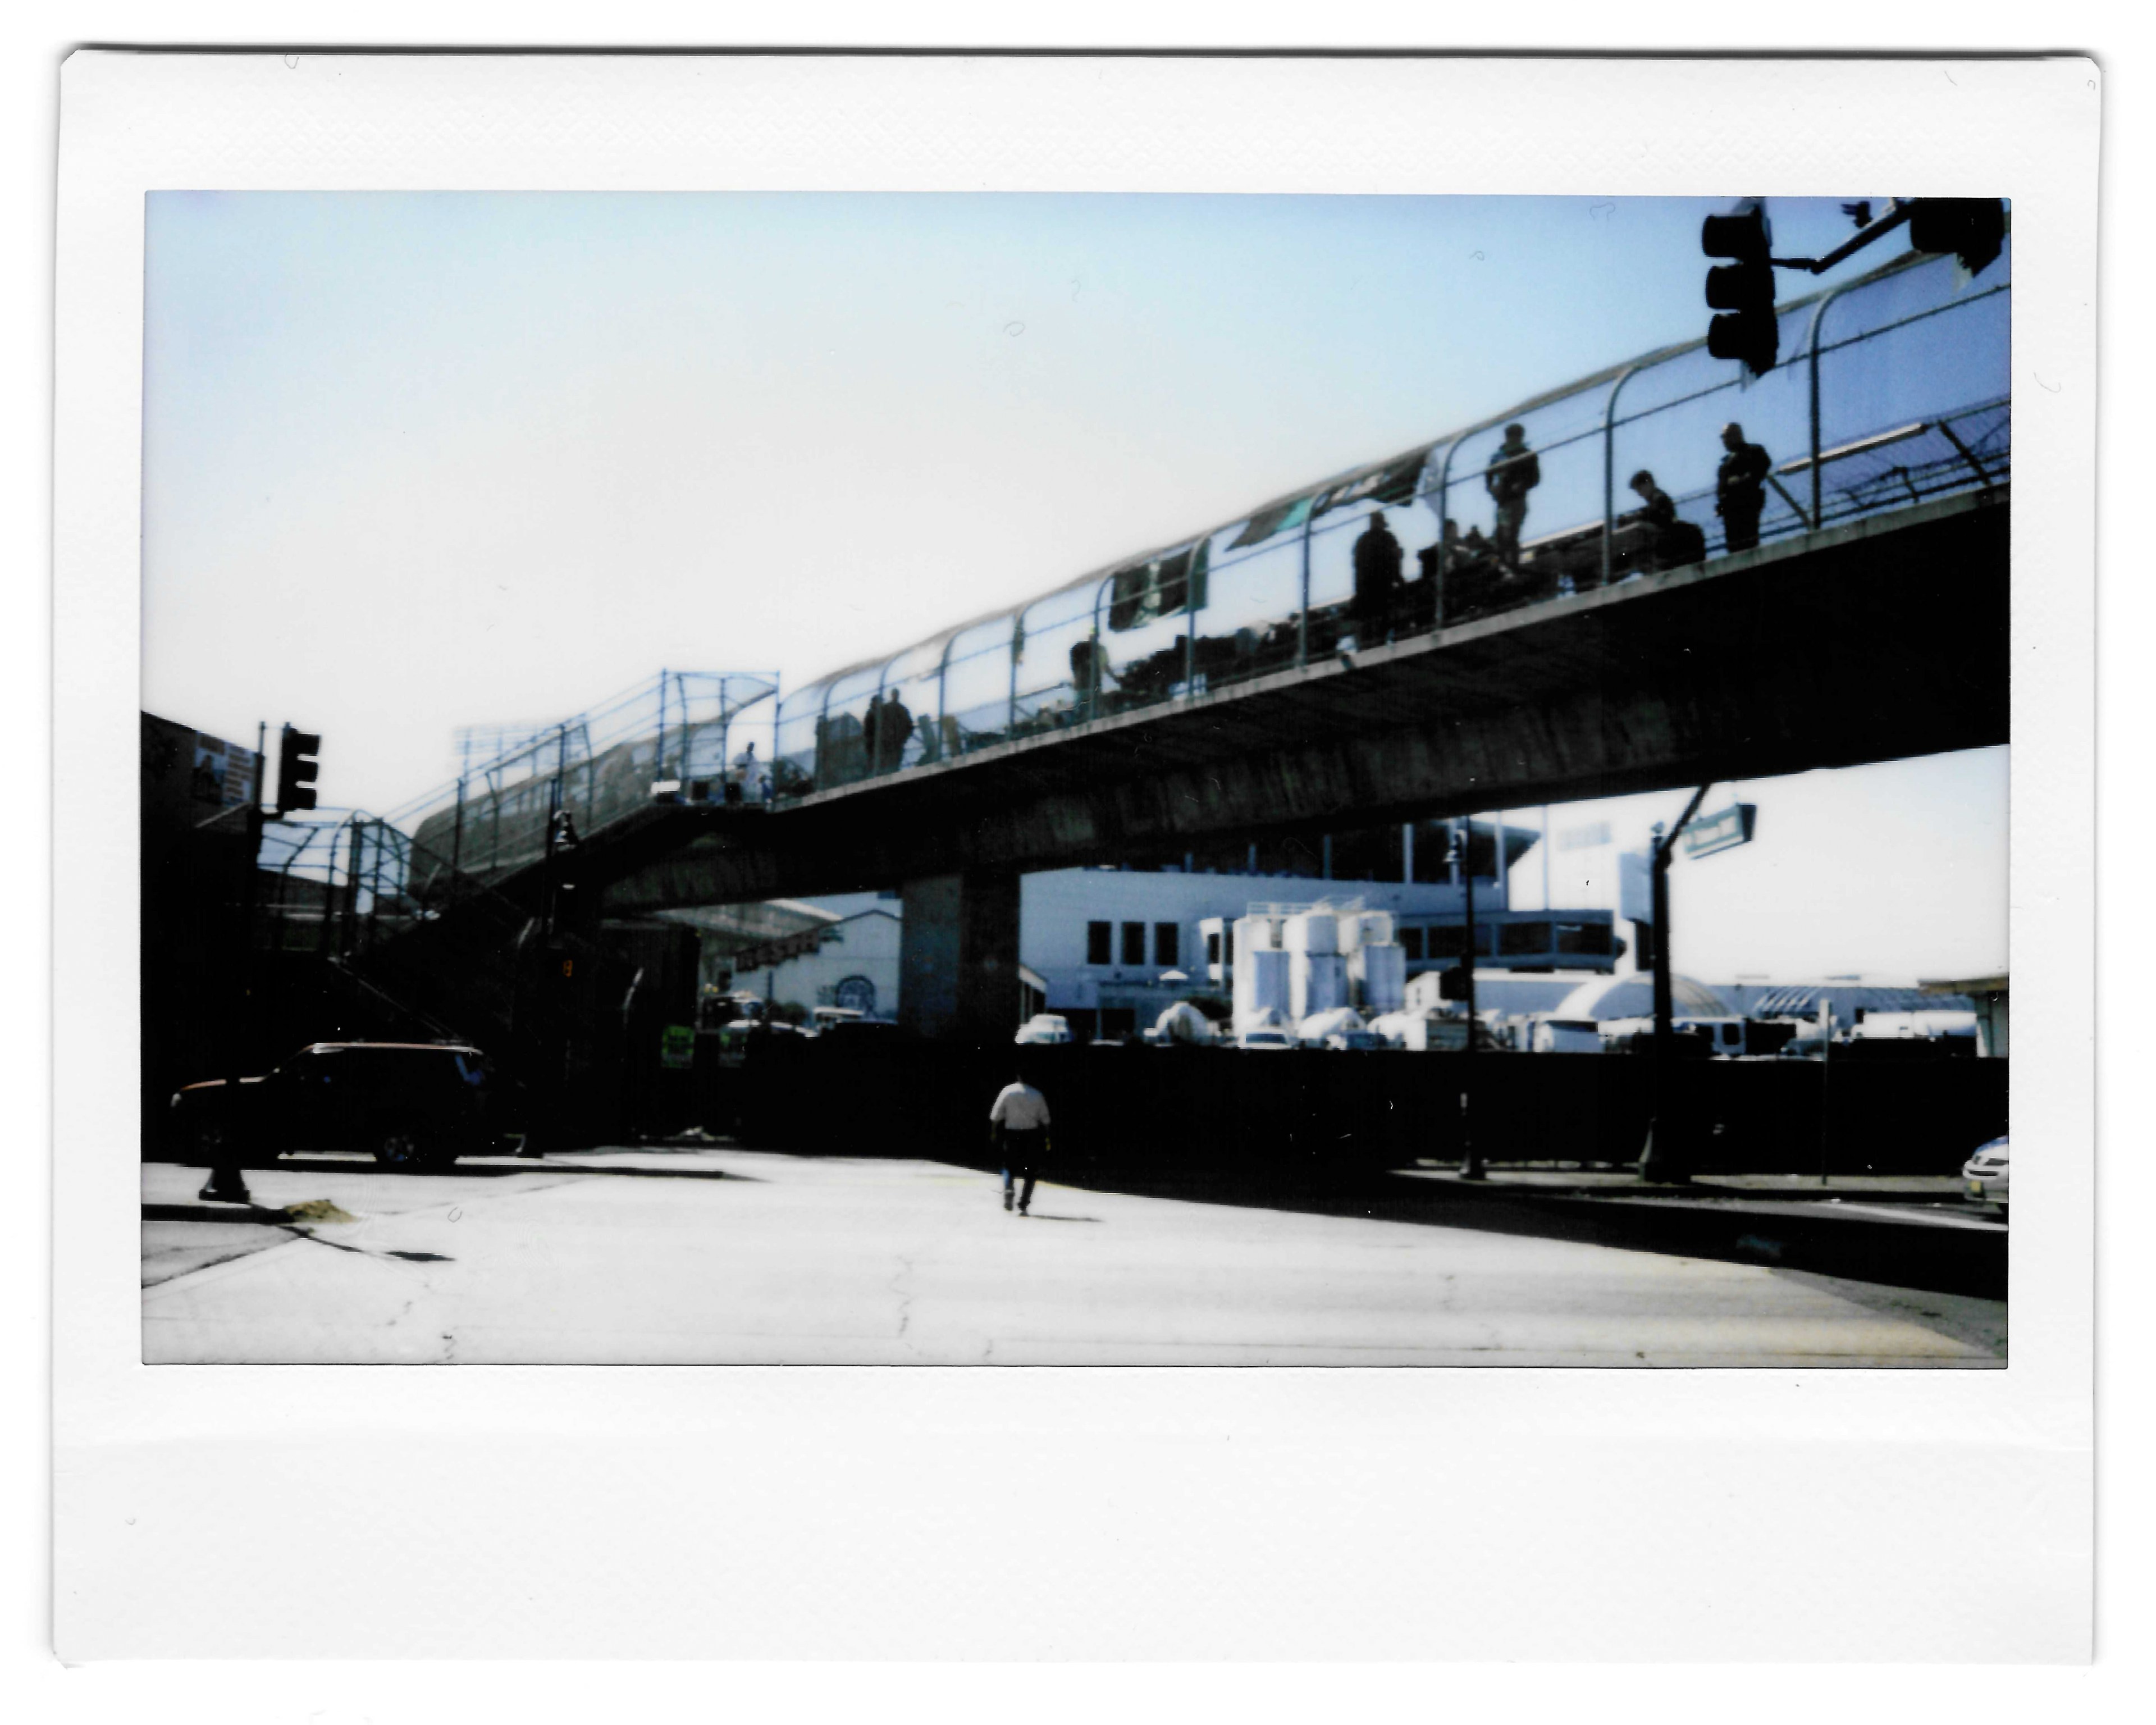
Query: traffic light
pixel 1743 290
pixel 298 760
pixel 1452 983
pixel 1972 228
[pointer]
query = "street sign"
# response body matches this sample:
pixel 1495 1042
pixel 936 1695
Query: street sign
pixel 1723 830
pixel 677 1047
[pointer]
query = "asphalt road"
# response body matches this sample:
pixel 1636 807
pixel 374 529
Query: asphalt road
pixel 731 1256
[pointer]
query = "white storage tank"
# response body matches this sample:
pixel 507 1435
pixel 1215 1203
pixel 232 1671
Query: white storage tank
pixel 1254 934
pixel 1382 983
pixel 1313 932
pixel 1262 982
pixel 1318 983
pixel 1365 928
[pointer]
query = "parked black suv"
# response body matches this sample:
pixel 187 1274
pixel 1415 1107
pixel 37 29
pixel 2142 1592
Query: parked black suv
pixel 409 1104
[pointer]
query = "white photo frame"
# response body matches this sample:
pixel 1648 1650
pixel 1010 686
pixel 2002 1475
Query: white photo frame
pixel 813 1513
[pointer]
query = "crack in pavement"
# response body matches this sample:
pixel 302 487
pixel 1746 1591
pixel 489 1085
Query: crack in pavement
pixel 367 1222
pixel 905 1297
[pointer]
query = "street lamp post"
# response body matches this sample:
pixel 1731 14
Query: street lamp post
pixel 1471 1163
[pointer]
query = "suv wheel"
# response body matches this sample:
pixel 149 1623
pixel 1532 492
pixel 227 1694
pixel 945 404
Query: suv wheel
pixel 400 1144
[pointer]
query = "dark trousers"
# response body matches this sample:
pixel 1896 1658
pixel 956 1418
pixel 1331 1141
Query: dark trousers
pixel 1512 517
pixel 1740 528
pixel 1021 1161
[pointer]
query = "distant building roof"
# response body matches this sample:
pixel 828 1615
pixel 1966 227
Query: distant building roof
pixel 731 928
pixel 1967 985
pixel 1632 997
pixel 1801 1000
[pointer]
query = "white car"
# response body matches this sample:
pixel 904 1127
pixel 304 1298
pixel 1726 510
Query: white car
pixel 1044 1027
pixel 1985 1171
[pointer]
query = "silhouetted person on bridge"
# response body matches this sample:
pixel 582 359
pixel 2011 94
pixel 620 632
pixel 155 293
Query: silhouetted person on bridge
pixel 1658 510
pixel 871 737
pixel 892 734
pixel 1740 489
pixel 1378 558
pixel 1018 1125
pixel 1513 472
pixel 1089 674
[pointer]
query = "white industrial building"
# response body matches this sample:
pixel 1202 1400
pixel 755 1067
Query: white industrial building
pixel 1114 948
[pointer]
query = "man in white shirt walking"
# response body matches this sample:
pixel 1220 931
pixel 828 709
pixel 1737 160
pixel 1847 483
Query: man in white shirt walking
pixel 1018 1124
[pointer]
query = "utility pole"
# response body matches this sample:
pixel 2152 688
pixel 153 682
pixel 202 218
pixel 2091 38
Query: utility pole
pixel 227 1184
pixel 1659 1160
pixel 1826 1070
pixel 1471 1163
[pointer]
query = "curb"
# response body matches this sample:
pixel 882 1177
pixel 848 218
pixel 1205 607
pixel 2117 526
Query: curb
pixel 1828 1242
pixel 215 1212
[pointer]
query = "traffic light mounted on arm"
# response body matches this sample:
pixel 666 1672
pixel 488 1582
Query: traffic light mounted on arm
pixel 1973 228
pixel 1743 290
pixel 298 761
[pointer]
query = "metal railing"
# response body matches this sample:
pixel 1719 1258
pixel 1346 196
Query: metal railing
pixel 343 883
pixel 693 737
pixel 1894 390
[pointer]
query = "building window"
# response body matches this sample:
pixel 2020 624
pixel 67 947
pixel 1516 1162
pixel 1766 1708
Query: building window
pixel 1097 950
pixel 1448 940
pixel 1591 938
pixel 1515 938
pixel 1212 949
pixel 1411 944
pixel 1168 944
pixel 1134 943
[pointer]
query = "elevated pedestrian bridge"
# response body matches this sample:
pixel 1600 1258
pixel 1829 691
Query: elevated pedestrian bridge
pixel 1237 682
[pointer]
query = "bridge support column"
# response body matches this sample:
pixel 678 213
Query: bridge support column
pixel 958 956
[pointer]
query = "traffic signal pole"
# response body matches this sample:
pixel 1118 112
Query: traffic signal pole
pixel 227 1183
pixel 1661 1159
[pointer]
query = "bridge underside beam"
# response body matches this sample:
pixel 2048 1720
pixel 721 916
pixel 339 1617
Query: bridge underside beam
pixel 1868 643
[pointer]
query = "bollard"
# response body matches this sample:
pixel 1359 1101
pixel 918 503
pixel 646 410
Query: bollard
pixel 227 1185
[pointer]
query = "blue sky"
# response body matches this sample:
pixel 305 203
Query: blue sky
pixel 417 461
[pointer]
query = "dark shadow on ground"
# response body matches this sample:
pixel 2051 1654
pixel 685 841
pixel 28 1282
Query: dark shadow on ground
pixel 205 1213
pixel 1973 1329
pixel 478 1170
pixel 1897 1255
